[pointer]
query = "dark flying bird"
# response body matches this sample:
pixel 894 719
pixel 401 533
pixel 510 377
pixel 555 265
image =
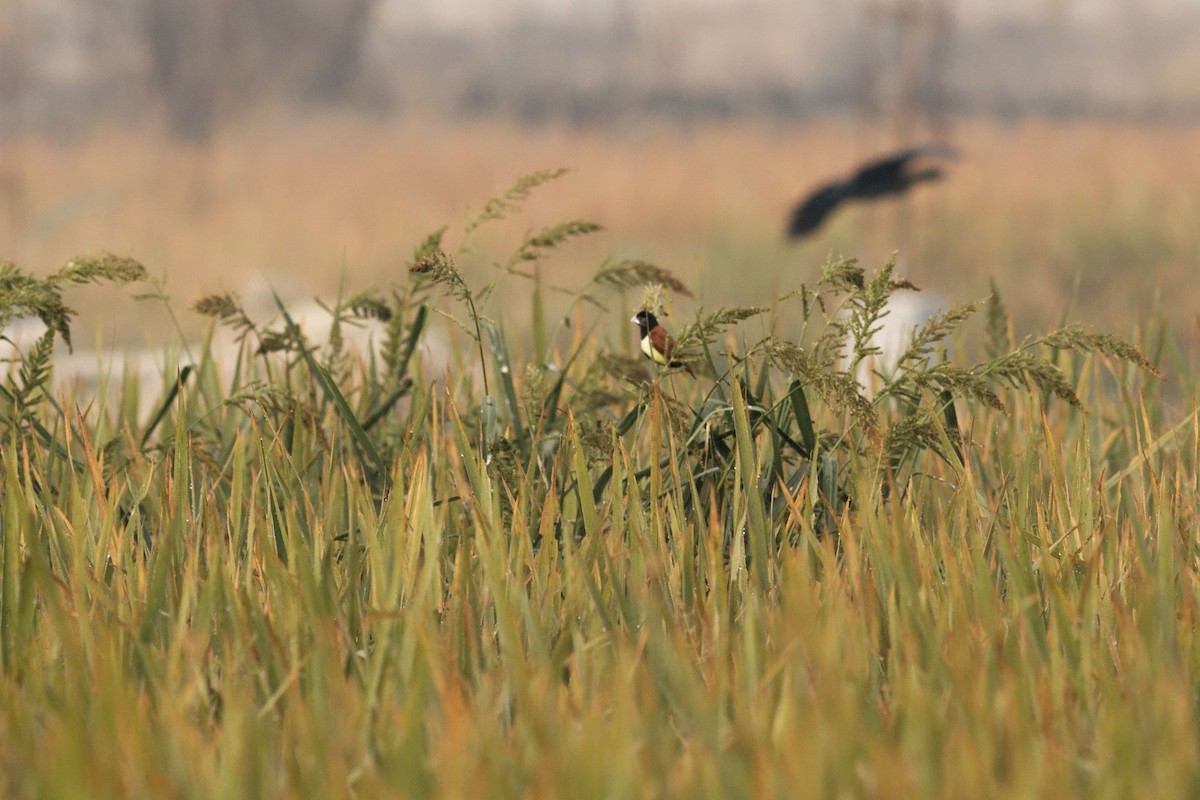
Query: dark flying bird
pixel 657 344
pixel 886 176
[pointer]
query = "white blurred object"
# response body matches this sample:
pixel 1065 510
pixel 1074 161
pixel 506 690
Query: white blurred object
pixel 907 311
pixel 19 336
pixel 363 338
pixel 89 373
pixel 86 373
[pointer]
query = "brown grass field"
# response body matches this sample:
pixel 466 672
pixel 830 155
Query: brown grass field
pixel 321 577
pixel 1095 221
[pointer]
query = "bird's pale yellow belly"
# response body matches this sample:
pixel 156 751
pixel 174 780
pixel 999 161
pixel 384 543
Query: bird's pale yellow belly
pixel 650 352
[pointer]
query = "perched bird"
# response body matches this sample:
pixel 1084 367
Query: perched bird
pixel 657 344
pixel 886 176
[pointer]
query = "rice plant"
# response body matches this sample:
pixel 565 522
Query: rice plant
pixel 325 574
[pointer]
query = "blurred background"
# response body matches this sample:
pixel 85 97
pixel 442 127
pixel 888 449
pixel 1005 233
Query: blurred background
pixel 315 142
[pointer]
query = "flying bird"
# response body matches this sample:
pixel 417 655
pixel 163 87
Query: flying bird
pixel 657 344
pixel 892 175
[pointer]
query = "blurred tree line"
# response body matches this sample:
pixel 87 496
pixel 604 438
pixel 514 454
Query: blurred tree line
pixel 198 59
pixel 203 53
pixel 195 64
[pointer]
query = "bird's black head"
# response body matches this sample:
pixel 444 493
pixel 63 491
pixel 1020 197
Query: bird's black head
pixel 645 321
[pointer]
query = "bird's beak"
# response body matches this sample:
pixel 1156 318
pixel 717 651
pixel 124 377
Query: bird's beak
pixel 633 319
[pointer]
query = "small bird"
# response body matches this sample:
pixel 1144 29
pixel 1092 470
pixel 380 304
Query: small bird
pixel 657 344
pixel 886 176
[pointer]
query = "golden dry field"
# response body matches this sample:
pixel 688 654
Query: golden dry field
pixel 545 568
pixel 1093 220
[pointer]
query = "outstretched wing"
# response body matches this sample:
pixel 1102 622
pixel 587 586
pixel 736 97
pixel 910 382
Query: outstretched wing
pixel 808 215
pixel 894 174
